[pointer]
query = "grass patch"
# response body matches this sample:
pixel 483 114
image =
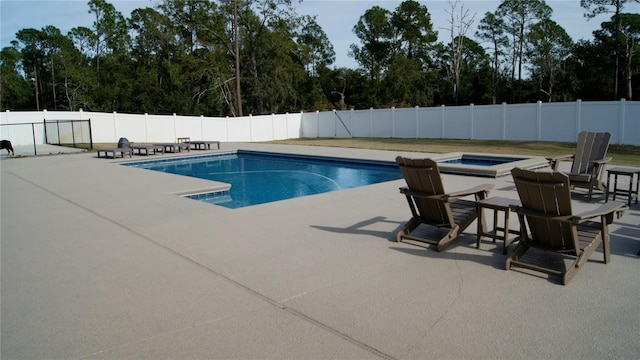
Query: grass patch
pixel 626 155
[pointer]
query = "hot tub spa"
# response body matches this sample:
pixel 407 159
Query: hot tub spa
pixel 486 165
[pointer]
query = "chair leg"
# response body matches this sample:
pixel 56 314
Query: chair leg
pixel 407 229
pixel 606 242
pixel 519 251
pixel 571 270
pixel 447 239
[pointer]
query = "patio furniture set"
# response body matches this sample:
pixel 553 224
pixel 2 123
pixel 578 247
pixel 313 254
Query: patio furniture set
pixel 126 147
pixel 544 211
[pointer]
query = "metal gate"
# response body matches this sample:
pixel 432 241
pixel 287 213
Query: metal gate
pixel 71 133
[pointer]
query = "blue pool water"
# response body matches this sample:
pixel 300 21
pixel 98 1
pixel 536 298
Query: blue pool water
pixel 258 178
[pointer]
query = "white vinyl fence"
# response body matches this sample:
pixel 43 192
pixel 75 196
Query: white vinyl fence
pixel 537 121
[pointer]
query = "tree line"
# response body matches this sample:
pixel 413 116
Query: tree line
pixel 229 57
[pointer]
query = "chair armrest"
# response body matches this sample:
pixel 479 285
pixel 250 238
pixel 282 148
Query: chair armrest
pixel 554 161
pixel 607 209
pixel 598 167
pixel 481 190
pixel 601 161
pixel 536 214
pixel 408 192
pixel 560 157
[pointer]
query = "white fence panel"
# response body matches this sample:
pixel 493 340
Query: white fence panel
pixel 262 128
pixel 309 126
pixel 286 126
pixel 382 123
pixel 405 122
pixel 280 126
pixel 326 124
pixel 160 128
pixel 521 122
pixel 488 122
pixel 602 116
pixel 239 129
pixel 294 125
pixel 430 123
pixel 558 122
pixel 457 123
pixel 343 123
pixel 361 123
pixel 132 127
pixel 188 126
pixel 214 129
pixel 630 127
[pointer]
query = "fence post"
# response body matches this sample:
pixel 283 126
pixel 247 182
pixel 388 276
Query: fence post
pixel 471 120
pixel 273 126
pixel 417 113
pixel 504 121
pixel 623 118
pixel 146 128
pixel 539 109
pixel 115 128
pixel 578 119
pixel 175 131
pixel 335 124
pixel 442 121
pixel 370 122
pixel 393 122
pixel 286 125
pixel 351 122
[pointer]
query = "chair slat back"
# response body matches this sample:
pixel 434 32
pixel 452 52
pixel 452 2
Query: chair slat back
pixel 590 146
pixel 423 175
pixel 547 194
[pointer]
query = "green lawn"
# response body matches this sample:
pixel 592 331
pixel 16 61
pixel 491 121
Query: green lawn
pixel 621 154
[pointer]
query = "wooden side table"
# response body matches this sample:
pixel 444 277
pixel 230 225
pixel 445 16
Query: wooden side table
pixel 497 204
pixel 630 172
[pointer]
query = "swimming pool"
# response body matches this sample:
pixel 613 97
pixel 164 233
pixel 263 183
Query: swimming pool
pixel 258 178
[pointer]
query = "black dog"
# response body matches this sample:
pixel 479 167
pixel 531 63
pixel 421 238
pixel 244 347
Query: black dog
pixel 6 144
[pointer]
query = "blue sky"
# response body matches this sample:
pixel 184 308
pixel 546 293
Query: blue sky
pixel 337 17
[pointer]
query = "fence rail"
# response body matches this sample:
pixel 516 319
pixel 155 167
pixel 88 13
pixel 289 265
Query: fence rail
pixel 559 122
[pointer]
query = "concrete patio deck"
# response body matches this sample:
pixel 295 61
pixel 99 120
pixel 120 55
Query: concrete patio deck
pixel 102 261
